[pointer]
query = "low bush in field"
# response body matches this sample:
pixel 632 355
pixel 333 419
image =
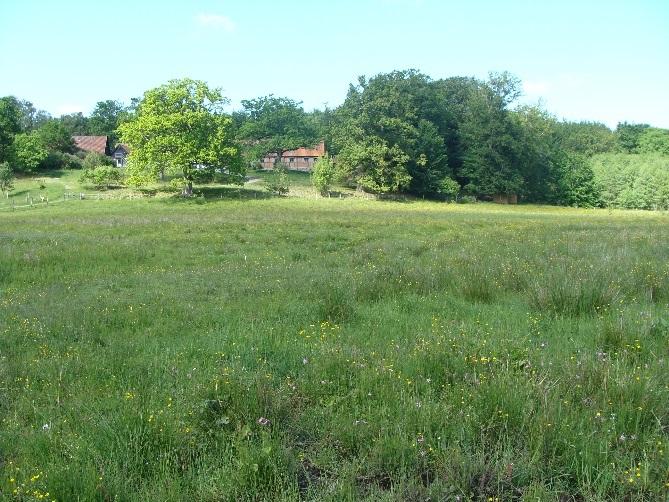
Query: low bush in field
pixel 102 176
pixel 59 160
pixel 93 160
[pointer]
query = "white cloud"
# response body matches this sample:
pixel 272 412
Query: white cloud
pixel 216 21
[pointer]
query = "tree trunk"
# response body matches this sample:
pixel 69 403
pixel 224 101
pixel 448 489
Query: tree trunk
pixel 188 191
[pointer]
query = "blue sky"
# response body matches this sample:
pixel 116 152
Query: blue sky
pixel 596 60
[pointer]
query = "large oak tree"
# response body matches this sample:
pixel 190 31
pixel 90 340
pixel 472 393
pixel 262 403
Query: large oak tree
pixel 180 128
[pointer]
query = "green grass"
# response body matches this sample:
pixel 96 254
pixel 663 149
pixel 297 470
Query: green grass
pixel 289 348
pixel 51 184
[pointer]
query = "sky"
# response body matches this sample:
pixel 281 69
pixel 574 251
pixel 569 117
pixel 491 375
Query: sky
pixel 605 61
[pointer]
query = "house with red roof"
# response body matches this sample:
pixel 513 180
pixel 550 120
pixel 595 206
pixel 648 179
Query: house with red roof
pixel 98 144
pixel 302 159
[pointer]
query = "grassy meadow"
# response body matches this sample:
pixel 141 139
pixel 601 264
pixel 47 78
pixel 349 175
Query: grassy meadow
pixel 315 349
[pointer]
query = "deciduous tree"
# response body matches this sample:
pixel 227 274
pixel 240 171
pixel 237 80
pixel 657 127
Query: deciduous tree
pixel 388 134
pixel 274 125
pixel 56 137
pixel 6 178
pixel 180 127
pixel 28 152
pixel 10 124
pixel 106 117
pixel 323 175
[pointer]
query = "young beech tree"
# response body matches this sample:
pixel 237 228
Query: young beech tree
pixel 324 175
pixel 179 128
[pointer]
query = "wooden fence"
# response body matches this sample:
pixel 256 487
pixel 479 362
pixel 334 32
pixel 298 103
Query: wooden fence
pixel 12 203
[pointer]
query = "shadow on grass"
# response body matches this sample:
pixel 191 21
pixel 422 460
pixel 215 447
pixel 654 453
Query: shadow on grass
pixel 49 173
pixel 204 194
pixel 228 192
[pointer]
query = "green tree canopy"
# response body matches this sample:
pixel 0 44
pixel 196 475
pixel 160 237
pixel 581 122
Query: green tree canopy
pixel 587 138
pixel 654 140
pixel 628 136
pixel 638 181
pixel 106 117
pixel 76 124
pixel 388 134
pixel 56 137
pixel 31 117
pixel 490 141
pixel 273 125
pixel 180 128
pixel 6 178
pixel 10 124
pixel 28 152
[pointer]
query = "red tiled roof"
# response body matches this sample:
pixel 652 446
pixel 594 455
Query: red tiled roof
pixel 91 143
pixel 318 151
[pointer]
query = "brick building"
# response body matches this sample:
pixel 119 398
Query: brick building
pixel 302 159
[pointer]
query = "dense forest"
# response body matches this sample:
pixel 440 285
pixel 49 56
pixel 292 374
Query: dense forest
pixel 399 132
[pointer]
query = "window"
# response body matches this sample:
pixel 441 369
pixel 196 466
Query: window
pixel 291 159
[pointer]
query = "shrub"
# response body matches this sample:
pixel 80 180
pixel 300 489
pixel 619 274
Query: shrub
pixel 278 182
pixel 60 160
pixel 449 188
pixel 323 175
pixel 95 159
pixel 138 180
pixel 102 176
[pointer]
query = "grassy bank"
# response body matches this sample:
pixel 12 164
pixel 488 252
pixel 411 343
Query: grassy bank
pixel 333 349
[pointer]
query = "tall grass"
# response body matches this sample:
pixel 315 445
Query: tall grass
pixel 333 350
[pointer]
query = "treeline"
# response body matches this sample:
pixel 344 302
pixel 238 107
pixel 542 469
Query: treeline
pixel 31 139
pixel 396 132
pixel 405 132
